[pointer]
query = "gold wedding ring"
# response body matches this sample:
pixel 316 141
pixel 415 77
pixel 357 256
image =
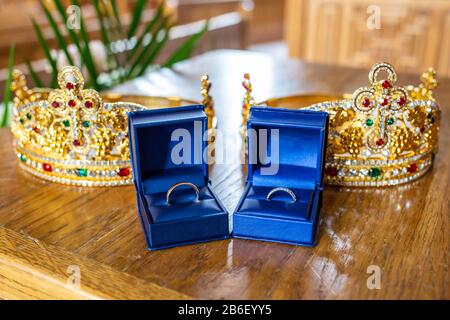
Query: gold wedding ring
pixel 176 185
pixel 281 189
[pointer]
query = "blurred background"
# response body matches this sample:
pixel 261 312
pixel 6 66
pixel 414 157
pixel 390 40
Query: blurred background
pixel 411 34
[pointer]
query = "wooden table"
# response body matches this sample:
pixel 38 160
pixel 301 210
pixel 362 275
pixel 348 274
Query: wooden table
pixel 49 231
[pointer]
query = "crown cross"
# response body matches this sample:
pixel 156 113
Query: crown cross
pixel 207 100
pixel 75 107
pixel 248 98
pixel 381 104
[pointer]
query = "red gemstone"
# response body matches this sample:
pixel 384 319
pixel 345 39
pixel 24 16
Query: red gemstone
pixel 331 171
pixel 385 102
pixel 123 172
pixel 412 168
pixel 72 103
pixel 88 104
pixel 70 85
pixel 380 142
pixel 366 102
pixel 422 129
pixel 76 143
pixel 55 104
pixel 47 167
pixel 386 84
pixel 36 129
pixel 401 101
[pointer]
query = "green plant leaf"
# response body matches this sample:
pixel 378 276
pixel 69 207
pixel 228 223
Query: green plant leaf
pixel 59 37
pixel 7 98
pixel 140 58
pixel 86 52
pixel 46 49
pixel 136 19
pixel 185 50
pixel 116 15
pixel 37 81
pixel 59 6
pixel 114 27
pixel 148 29
pixel 105 36
pixel 154 53
pixel 146 50
pixel 75 39
pixel 70 31
pixel 104 32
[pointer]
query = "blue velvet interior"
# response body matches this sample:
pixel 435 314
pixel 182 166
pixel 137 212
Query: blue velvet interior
pixel 158 171
pixel 183 204
pixel 280 205
pixel 301 136
pixel 161 181
pixel 298 163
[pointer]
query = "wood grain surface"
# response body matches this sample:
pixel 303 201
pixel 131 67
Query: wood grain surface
pixel 405 231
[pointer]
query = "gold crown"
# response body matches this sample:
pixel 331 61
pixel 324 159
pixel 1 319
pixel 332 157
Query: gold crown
pixel 77 136
pixel 381 135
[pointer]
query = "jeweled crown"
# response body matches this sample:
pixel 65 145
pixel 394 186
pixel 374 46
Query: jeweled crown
pixel 384 134
pixel 74 135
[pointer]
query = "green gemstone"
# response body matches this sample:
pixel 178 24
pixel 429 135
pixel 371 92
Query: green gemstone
pixel 374 172
pixel 369 122
pixel 390 121
pixel 86 124
pixel 29 116
pixel 23 158
pixel 22 120
pixel 82 172
pixel 66 123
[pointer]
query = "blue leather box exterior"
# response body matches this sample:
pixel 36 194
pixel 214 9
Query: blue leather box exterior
pixel 155 170
pixel 302 148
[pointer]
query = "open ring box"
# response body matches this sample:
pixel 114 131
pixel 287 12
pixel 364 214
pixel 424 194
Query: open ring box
pixel 167 147
pixel 299 138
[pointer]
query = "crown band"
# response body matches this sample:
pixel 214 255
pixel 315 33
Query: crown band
pixel 77 136
pixel 381 135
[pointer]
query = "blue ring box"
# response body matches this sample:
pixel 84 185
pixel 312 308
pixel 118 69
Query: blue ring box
pixel 167 147
pixel 300 137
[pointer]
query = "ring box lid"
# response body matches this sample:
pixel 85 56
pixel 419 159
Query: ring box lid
pixel 302 147
pixel 160 162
